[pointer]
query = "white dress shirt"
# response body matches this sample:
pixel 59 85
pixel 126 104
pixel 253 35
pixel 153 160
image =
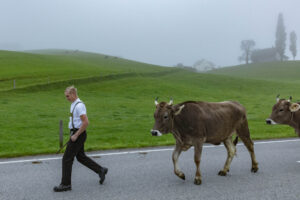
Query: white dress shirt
pixel 79 110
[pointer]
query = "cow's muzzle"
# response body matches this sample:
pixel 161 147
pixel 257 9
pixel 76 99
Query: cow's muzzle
pixel 270 121
pixel 156 133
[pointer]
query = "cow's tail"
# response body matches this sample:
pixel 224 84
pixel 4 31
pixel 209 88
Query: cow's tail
pixel 235 141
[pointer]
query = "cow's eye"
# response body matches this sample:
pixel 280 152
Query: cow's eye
pixel 280 110
pixel 166 117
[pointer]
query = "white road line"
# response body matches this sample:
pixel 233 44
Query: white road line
pixel 133 152
pixel 298 161
pixel 30 160
pixel 277 141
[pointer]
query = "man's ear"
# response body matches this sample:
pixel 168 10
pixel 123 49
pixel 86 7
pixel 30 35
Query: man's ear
pixel 294 107
pixel 178 110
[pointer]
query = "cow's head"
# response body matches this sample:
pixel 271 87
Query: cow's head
pixel 163 116
pixel 282 111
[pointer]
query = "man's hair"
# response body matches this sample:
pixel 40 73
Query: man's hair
pixel 71 89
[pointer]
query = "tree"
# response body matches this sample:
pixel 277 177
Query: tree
pixel 204 65
pixel 246 47
pixel 280 37
pixel 293 44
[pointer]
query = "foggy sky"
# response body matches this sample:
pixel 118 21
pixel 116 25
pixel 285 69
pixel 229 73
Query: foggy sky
pixel 163 32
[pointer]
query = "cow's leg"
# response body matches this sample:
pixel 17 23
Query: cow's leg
pixel 175 156
pixel 231 150
pixel 244 134
pixel 249 144
pixel 197 158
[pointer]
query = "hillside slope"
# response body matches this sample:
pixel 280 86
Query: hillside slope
pixel 31 69
pixel 288 71
pixel 120 106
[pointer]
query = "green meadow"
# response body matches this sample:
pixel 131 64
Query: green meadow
pixel 119 95
pixel 43 67
pixel 287 71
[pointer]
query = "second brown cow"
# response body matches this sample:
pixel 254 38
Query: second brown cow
pixel 194 123
pixel 285 112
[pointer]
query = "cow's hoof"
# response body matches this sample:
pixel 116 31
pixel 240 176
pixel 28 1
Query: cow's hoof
pixel 222 173
pixel 254 169
pixel 182 176
pixel 197 181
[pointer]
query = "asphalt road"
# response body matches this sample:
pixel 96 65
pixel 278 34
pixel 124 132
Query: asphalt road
pixel 148 174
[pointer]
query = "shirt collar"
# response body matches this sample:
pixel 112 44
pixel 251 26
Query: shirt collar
pixel 77 100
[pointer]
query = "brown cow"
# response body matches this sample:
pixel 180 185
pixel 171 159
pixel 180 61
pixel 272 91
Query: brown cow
pixel 194 123
pixel 285 112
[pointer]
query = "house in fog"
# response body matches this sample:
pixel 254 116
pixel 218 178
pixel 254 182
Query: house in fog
pixel 265 55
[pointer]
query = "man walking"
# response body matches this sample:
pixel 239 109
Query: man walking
pixel 77 125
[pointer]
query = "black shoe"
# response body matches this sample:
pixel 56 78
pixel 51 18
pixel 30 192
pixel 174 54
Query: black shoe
pixel 102 173
pixel 62 188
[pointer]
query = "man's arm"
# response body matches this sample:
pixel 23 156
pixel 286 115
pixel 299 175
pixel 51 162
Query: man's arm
pixel 85 122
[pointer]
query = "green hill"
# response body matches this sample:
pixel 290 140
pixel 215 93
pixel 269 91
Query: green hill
pixel 120 104
pixel 59 65
pixel 288 71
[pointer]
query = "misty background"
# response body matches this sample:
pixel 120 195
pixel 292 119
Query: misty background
pixel 163 32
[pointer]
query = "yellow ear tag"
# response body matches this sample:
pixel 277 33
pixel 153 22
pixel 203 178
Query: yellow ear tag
pixel 294 107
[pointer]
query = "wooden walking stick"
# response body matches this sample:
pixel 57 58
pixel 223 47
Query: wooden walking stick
pixel 61 148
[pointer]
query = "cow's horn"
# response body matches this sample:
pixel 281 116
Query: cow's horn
pixel 277 97
pixel 171 101
pixel 156 101
pixel 179 110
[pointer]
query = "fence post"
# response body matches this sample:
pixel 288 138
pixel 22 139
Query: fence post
pixel 60 133
pixel 14 84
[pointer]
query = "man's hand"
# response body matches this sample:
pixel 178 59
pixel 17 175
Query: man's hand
pixel 74 137
pixel 85 123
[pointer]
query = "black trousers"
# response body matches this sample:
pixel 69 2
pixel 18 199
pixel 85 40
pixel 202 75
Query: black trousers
pixel 76 149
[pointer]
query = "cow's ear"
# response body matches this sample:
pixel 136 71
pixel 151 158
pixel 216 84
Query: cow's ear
pixel 294 107
pixel 178 110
